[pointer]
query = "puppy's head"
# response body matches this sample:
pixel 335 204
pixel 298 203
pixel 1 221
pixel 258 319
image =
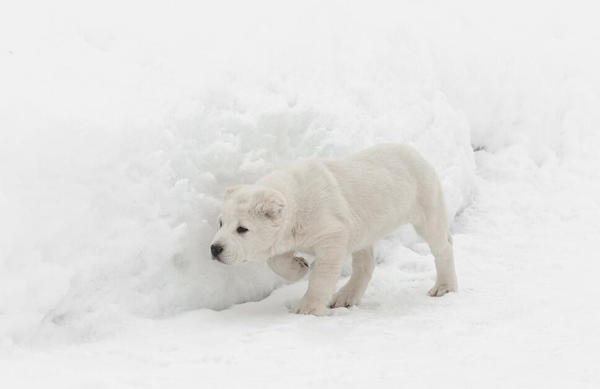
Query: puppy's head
pixel 250 219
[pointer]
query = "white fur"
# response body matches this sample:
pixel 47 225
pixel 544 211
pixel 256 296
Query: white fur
pixel 333 207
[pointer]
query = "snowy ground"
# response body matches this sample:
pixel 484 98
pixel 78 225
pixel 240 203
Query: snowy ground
pixel 526 315
pixel 122 124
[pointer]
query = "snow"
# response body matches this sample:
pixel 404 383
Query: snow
pixel 122 124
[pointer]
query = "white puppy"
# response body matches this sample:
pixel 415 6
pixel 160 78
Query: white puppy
pixel 330 208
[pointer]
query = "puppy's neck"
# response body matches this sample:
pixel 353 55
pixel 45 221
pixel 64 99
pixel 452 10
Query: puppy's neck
pixel 285 241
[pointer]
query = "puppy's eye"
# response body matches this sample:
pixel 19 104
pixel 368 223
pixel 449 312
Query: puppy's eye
pixel 242 230
pixel 220 224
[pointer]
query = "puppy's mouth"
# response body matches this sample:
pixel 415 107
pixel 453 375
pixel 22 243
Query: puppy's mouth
pixel 231 262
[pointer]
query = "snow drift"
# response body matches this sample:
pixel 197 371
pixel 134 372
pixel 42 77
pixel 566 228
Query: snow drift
pixel 121 128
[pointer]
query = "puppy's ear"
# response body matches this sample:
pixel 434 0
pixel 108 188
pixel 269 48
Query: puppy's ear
pixel 231 190
pixel 270 204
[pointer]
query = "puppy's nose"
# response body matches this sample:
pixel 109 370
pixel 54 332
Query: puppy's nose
pixel 216 249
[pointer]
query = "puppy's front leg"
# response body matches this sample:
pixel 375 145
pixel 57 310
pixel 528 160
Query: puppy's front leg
pixel 321 283
pixel 288 266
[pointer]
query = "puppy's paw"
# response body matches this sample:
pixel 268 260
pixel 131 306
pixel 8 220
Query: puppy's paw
pixel 346 298
pixel 440 290
pixel 301 262
pixel 298 269
pixel 310 308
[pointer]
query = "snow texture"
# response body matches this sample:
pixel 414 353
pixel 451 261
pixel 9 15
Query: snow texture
pixel 121 125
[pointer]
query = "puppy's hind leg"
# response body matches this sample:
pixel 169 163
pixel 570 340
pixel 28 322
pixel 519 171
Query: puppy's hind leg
pixel 433 228
pixel 444 265
pixel 363 263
